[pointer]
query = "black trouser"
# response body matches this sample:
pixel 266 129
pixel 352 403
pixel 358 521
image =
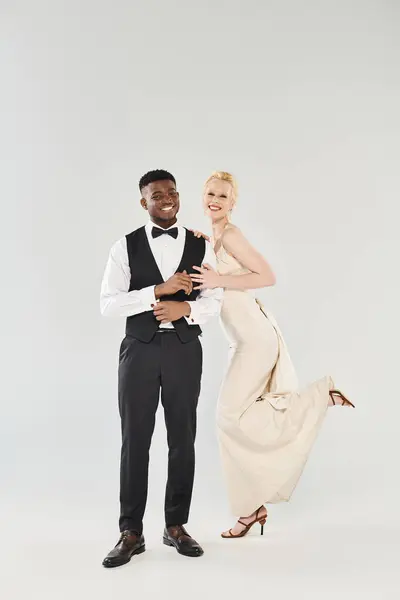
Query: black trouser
pixel 175 368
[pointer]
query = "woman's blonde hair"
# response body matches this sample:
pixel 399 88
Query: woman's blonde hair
pixel 224 176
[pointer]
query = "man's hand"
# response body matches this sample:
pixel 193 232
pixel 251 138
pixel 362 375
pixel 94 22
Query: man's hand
pixel 168 311
pixel 178 281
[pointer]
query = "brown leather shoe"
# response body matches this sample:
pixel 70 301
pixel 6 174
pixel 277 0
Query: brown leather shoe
pixel 177 536
pixel 129 544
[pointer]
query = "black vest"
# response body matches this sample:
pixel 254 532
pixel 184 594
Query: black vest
pixel 145 272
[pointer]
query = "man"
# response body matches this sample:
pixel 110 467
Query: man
pixel 147 281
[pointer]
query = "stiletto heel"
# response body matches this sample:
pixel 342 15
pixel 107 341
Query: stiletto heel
pixel 262 523
pixel 338 393
pixel 261 520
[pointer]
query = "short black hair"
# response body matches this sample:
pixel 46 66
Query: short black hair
pixel 156 175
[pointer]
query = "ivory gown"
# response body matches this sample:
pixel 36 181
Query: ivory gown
pixel 264 443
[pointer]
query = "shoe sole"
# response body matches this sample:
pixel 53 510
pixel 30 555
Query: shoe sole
pixel 121 564
pixel 166 542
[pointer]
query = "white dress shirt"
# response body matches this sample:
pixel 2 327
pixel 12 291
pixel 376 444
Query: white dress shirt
pixel 117 300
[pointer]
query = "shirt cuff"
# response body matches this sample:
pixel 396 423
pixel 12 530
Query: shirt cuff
pixel 147 297
pixel 195 317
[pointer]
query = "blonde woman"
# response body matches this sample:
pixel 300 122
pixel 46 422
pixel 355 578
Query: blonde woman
pixel 266 426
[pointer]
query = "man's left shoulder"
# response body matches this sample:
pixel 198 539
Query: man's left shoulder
pixel 199 242
pixel 190 234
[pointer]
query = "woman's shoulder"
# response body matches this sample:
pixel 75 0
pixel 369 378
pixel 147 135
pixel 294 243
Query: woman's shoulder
pixel 230 231
pixel 231 234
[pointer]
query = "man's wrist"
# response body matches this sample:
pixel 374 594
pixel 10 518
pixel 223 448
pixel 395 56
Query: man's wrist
pixel 158 291
pixel 187 309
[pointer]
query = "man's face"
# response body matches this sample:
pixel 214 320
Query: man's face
pixel 161 200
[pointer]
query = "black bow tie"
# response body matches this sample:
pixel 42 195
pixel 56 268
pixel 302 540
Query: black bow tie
pixel 156 232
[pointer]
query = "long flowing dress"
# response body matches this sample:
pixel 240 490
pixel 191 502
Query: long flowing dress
pixel 266 427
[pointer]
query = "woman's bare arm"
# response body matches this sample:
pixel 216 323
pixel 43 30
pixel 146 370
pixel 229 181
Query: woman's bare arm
pixel 261 274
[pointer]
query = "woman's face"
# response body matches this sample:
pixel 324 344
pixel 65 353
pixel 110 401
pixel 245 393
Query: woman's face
pixel 218 199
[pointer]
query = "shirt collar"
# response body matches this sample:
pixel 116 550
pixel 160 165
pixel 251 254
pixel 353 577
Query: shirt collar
pixel 150 226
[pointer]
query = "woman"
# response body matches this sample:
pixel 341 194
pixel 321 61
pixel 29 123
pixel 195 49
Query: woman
pixel 266 427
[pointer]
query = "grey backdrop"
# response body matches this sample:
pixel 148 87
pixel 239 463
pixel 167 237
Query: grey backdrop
pixel 300 101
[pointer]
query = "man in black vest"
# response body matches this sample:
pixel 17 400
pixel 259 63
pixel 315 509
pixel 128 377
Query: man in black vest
pixel 147 281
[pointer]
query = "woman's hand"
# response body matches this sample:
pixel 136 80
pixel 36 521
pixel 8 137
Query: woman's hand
pixel 198 234
pixel 206 278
